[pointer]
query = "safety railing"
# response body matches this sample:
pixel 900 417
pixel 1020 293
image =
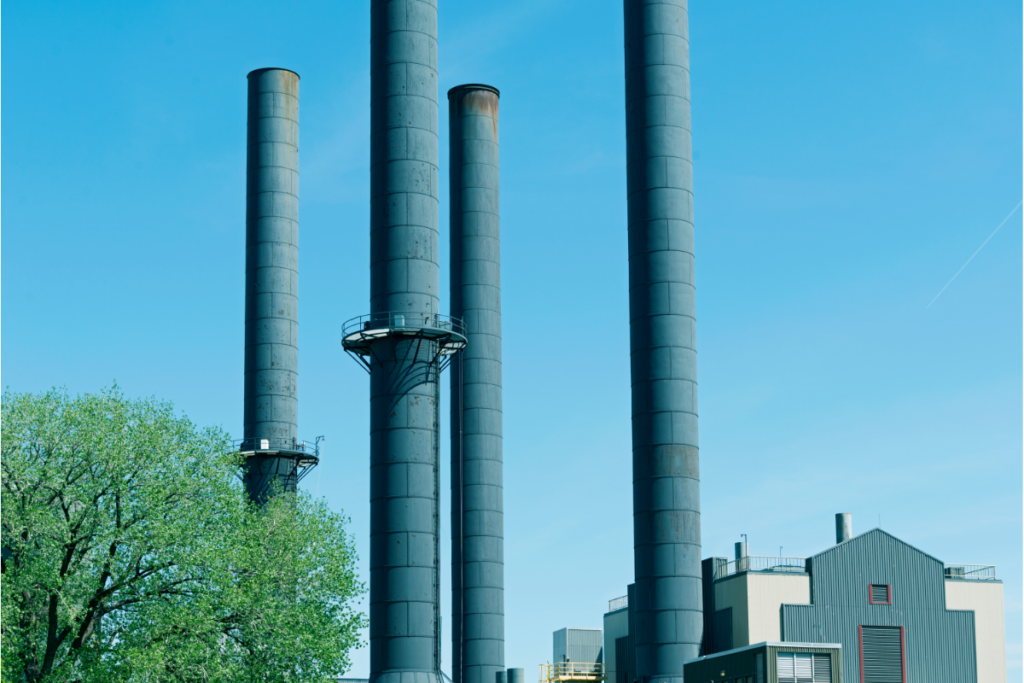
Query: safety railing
pixel 618 603
pixel 278 445
pixel 404 320
pixel 571 671
pixel 970 572
pixel 762 563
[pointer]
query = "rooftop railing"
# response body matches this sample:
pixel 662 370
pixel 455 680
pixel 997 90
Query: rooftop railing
pixel 618 603
pixel 571 671
pixel 762 563
pixel 970 572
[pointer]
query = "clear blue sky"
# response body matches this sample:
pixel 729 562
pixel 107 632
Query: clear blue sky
pixel 849 158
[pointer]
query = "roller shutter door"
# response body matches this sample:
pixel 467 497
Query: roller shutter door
pixel 882 654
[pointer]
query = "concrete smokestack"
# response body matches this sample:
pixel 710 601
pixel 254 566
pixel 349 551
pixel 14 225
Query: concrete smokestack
pixel 666 490
pixel 478 596
pixel 274 455
pixel 844 527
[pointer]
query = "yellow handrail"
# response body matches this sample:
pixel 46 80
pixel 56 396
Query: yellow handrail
pixel 571 671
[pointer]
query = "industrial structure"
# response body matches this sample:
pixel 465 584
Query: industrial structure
pixel 771 663
pixel 405 343
pixel 477 523
pixel 275 457
pixel 577 656
pixel 663 350
pixel 883 610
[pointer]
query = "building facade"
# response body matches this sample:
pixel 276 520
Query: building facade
pixel 770 663
pixel 898 613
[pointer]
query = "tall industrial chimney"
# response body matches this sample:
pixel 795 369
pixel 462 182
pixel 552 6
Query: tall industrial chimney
pixel 403 343
pixel 663 350
pixel 275 458
pixel 478 610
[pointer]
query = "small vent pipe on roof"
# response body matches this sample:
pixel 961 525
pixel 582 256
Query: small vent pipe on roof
pixel 844 526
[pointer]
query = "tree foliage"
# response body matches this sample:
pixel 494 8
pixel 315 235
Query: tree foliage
pixel 131 553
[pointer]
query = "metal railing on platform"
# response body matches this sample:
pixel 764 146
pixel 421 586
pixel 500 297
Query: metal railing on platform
pixel 970 572
pixel 287 445
pixel 618 603
pixel 401 320
pixel 762 563
pixel 571 671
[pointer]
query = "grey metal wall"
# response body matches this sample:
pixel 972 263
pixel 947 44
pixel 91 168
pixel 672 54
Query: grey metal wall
pixel 404 522
pixel 478 596
pixel 580 645
pixel 666 495
pixel 940 646
pixel 272 276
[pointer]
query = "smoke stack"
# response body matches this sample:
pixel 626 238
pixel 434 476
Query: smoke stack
pixel 741 549
pixel 666 479
pixel 404 344
pixel 274 455
pixel 478 615
pixel 844 527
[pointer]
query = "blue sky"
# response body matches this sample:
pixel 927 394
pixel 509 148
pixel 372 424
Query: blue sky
pixel 849 158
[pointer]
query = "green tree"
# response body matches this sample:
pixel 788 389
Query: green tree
pixel 131 553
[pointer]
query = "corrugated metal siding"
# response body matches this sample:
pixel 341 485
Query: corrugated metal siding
pixel 616 625
pixel 581 645
pixel 939 642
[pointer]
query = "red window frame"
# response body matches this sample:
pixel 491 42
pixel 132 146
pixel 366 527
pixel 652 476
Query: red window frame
pixel 903 650
pixel 888 593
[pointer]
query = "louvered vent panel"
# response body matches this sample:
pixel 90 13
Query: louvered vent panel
pixel 879 593
pixel 822 669
pixel 786 667
pixel 883 654
pixel 804 668
pixel 759 668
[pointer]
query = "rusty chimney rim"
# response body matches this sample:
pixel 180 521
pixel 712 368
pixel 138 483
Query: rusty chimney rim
pixel 474 86
pixel 257 72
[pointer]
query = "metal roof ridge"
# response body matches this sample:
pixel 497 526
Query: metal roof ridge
pixel 881 531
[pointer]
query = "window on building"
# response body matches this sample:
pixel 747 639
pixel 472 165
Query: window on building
pixel 881 594
pixel 797 667
pixel 881 654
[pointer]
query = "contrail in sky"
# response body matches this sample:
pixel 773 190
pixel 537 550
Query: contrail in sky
pixel 976 253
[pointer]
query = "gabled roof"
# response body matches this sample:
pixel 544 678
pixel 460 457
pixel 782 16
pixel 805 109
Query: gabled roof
pixel 870 533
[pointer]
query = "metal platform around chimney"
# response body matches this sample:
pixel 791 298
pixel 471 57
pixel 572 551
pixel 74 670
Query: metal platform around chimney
pixel 305 454
pixel 359 333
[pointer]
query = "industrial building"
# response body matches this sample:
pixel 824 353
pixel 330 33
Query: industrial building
pixel 871 608
pixel 577 656
pixel 889 611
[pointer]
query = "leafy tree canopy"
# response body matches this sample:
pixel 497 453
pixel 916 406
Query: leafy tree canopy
pixel 131 553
